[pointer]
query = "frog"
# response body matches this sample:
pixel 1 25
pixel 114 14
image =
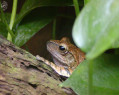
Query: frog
pixel 66 56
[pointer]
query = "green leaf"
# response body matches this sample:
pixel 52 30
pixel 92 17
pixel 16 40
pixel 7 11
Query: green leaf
pixel 86 1
pixel 115 44
pixel 96 29
pixel 35 21
pixel 32 23
pixel 105 76
pixel 3 26
pixel 32 4
pixel 3 30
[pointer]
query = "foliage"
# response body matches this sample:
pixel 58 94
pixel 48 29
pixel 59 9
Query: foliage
pixel 95 31
pixel 37 17
pixel 105 76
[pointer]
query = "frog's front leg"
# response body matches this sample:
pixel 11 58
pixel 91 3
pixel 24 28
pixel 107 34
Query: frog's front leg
pixel 60 70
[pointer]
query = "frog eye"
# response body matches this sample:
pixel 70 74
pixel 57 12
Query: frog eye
pixel 62 48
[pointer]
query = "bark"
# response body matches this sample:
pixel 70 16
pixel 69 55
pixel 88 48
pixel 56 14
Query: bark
pixel 22 74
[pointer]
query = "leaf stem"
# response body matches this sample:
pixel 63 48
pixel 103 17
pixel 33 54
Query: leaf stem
pixel 90 78
pixel 12 20
pixel 4 20
pixel 76 6
pixel 54 29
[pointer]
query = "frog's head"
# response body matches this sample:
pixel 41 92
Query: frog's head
pixel 64 53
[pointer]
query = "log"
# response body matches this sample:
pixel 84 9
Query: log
pixel 22 74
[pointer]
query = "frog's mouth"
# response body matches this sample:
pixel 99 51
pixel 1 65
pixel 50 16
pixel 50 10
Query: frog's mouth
pixel 59 63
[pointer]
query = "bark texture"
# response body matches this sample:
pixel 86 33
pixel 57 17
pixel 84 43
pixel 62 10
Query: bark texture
pixel 22 74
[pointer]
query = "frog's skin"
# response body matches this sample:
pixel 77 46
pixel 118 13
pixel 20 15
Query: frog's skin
pixel 65 55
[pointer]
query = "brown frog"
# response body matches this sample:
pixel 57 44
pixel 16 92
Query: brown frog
pixel 65 55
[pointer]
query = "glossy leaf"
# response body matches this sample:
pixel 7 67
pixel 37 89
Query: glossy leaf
pixel 96 28
pixel 36 21
pixel 32 23
pixel 3 27
pixel 3 30
pixel 32 4
pixel 105 76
